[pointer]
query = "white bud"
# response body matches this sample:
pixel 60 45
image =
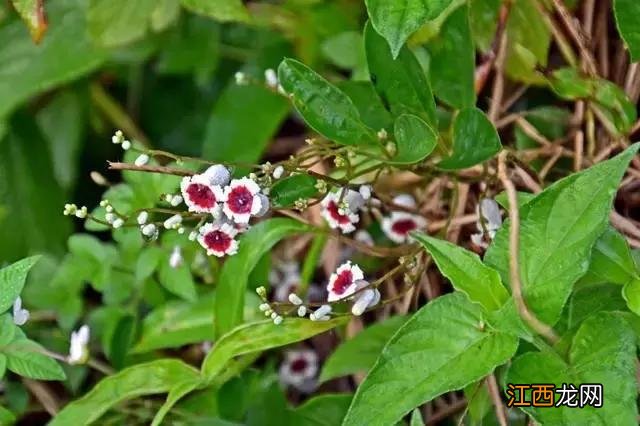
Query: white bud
pixel 241 78
pixel 264 306
pixel 176 200
pixel 149 229
pixel 264 205
pixel 365 191
pixel 362 302
pixel 181 230
pixel 117 223
pixel 110 217
pixel 193 235
pixel 126 145
pixel 82 213
pixel 173 222
pixel 302 311
pixel 405 200
pixel 104 203
pixel 322 311
pixel 382 134
pixel 277 320
pixel 118 137
pixel 142 160
pixel 109 208
pixel 143 217
pixel 278 172
pixel 175 260
pixel 274 315
pixel 271 78
pixel 218 175
pixel 295 299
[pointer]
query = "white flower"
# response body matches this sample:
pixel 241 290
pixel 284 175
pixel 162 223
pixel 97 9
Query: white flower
pixel 173 222
pixel 405 200
pixel 341 218
pixel 118 137
pixel 365 299
pixel 142 160
pixel 382 134
pixel 489 215
pixel 78 349
pixel 342 283
pixel 218 175
pixel 277 320
pixel 149 230
pixel 241 78
pixel 365 191
pixel 218 239
pixel 82 212
pixel 175 259
pixel 20 315
pixel 399 225
pixel 143 217
pixel 299 369
pixel 200 195
pixel 241 200
pixel 70 209
pixel 278 172
pixel 271 78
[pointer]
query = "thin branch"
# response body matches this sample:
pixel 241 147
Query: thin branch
pixel 151 169
pixel 514 258
pixel 494 392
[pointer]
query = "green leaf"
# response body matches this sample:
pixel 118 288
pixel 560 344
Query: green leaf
pixel 631 294
pixel 397 20
pixel 569 83
pixel 12 279
pixel 323 410
pixel 588 300
pixel 483 18
pixel 259 336
pixel 164 14
pixel 611 260
pixel 232 282
pixel 475 140
pixel 400 82
pixel 285 192
pixel 603 352
pixel 147 262
pixel 443 347
pixel 121 339
pixel 372 111
pixel 176 324
pixel 416 418
pixel 178 281
pixel 558 229
pixel 358 354
pixel 32 13
pixel 414 138
pixel 220 10
pixel 466 272
pixel 228 138
pixel 324 107
pixel 528 41
pixel 116 22
pixel 452 63
pixel 65 54
pixel 7 418
pixel 345 50
pixel 149 378
pixel 26 358
pixel 627 13
pixel 7 329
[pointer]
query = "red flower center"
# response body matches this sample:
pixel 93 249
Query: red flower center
pixel 218 241
pixel 404 226
pixel 240 200
pixel 332 208
pixel 201 195
pixel 342 282
pixel 299 365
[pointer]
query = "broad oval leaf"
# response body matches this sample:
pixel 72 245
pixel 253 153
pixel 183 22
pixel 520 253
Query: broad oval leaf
pixel 631 294
pixel 26 358
pixel 12 279
pixel 466 272
pixel 452 64
pixel 397 20
pixel 400 82
pixel 627 13
pixel 178 281
pixel 359 354
pixel 232 283
pixel 149 378
pixel 370 106
pixel 415 139
pixel 287 191
pixel 475 140
pixel 611 260
pixel 558 229
pixel 259 336
pixel 322 410
pixel 116 22
pixel 443 347
pixel 324 107
pixel 603 351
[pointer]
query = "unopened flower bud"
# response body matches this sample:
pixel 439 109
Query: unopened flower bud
pixel 295 299
pixel 143 217
pixel 142 160
pixel 126 145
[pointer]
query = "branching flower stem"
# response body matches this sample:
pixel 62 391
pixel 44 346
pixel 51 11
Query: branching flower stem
pixel 514 258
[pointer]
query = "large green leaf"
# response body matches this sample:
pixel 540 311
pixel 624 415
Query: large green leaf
pixel 324 107
pixel 452 63
pixel 116 22
pixel 558 229
pixel 466 272
pixel 359 354
pixel 415 139
pixel 64 54
pixel 220 10
pixel 475 140
pixel 397 20
pixel 372 110
pixel 627 14
pixel 443 347
pixel 611 260
pixel 229 138
pixel 12 279
pixel 259 336
pixel 26 358
pixel 232 283
pixel 400 82
pixel 150 378
pixel 285 192
pixel 603 351
pixel 323 410
pixel 483 19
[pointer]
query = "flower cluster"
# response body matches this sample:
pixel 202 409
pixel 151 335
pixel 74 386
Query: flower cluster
pixel 341 209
